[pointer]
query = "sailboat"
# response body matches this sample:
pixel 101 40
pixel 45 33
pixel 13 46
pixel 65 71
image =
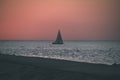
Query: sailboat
pixel 58 39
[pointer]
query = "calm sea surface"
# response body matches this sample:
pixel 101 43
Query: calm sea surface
pixel 103 52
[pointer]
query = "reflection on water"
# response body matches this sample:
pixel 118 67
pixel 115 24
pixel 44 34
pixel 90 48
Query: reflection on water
pixel 104 52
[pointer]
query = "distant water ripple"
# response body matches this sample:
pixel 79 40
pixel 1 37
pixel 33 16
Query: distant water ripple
pixel 102 52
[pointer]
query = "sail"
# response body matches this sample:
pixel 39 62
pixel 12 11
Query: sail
pixel 58 39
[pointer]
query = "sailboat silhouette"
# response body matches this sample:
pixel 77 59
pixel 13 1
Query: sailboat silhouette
pixel 58 39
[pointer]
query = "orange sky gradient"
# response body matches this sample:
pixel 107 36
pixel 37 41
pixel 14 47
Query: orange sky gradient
pixel 77 19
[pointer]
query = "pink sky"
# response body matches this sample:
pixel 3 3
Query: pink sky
pixel 77 19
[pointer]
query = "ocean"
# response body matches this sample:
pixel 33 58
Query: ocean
pixel 98 52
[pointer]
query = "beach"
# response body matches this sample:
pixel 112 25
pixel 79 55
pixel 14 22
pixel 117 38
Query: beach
pixel 35 68
pixel 59 40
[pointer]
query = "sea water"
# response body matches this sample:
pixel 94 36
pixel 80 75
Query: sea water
pixel 99 52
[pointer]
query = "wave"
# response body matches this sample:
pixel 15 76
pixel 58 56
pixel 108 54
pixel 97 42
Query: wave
pixel 102 56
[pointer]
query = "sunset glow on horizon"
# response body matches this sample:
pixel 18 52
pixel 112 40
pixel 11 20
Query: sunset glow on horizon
pixel 77 19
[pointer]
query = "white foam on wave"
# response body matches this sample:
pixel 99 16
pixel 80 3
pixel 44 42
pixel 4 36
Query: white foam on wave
pixel 92 53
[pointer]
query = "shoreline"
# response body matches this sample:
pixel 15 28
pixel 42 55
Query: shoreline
pixel 34 68
pixel 90 68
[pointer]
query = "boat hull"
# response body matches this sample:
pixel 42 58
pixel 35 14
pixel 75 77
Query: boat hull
pixel 57 43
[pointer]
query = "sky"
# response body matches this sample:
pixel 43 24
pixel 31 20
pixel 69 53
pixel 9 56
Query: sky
pixel 77 19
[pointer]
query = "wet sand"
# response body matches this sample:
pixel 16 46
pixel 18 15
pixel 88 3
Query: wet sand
pixel 35 68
